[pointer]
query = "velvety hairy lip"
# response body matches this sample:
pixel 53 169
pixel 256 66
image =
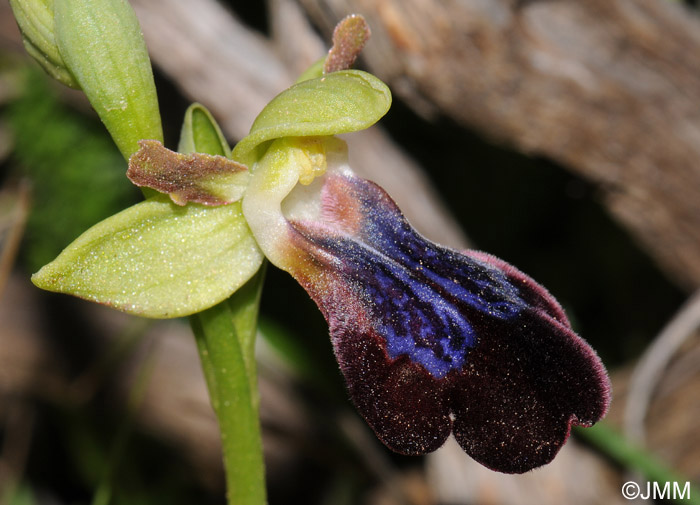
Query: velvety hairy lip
pixel 433 341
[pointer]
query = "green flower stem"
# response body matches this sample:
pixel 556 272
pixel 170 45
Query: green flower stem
pixel 244 305
pixel 225 337
pixel 635 458
pixel 204 359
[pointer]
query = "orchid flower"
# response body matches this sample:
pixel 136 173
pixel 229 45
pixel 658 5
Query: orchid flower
pixel 431 341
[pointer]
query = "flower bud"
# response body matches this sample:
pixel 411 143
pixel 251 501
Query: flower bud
pixel 101 44
pixel 36 22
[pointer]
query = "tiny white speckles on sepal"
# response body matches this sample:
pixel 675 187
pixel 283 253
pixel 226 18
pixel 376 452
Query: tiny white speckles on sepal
pixel 158 260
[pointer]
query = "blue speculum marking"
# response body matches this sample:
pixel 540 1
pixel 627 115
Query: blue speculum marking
pixel 420 296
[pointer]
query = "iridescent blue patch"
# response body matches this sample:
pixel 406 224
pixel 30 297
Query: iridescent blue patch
pixel 420 295
pixel 433 342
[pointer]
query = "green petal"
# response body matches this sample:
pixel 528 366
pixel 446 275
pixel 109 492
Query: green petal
pixel 340 102
pixel 193 177
pixel 349 37
pixel 158 260
pixel 101 43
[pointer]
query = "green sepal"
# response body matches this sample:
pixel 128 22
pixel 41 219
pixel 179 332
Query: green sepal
pixel 158 260
pixel 36 22
pixel 313 72
pixel 101 43
pixel 201 133
pixel 340 102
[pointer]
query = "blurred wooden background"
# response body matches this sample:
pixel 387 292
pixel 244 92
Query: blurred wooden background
pixel 606 90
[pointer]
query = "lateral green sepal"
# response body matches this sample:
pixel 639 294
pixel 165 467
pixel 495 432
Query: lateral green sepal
pixel 158 260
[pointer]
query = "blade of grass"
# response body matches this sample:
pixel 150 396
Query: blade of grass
pixel 104 492
pixel 635 458
pixel 14 210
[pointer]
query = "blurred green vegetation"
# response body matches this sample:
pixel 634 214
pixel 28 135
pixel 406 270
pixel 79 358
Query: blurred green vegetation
pixel 76 172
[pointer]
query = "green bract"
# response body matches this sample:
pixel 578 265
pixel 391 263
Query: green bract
pixel 36 22
pixel 340 102
pixel 101 43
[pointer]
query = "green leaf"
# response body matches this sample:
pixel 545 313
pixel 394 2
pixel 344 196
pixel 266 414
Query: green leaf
pixel 340 102
pixel 245 305
pixel 231 322
pixel 200 133
pixel 158 260
pixel 101 43
pixel 36 22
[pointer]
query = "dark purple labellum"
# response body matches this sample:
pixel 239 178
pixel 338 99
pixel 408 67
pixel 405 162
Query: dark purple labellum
pixel 432 341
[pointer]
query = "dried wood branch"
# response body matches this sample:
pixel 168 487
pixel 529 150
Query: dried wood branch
pixel 608 88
